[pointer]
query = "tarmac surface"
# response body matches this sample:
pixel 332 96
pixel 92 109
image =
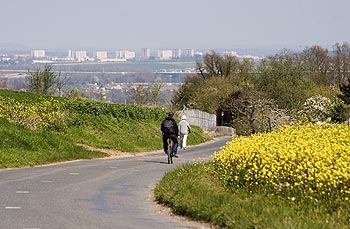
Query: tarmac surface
pixel 113 192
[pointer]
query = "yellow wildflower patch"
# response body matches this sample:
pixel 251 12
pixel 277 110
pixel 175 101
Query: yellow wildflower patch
pixel 45 114
pixel 300 160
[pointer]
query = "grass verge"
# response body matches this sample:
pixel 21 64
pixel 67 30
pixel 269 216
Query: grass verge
pixel 20 147
pixel 126 135
pixel 195 192
pixel 37 129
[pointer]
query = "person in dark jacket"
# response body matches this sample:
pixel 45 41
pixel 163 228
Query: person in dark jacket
pixel 170 130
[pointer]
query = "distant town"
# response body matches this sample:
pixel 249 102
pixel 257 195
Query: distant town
pixel 107 75
pixel 42 56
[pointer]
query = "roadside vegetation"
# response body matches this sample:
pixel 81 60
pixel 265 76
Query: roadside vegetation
pixel 258 96
pixel 38 129
pixel 295 177
pixel 290 165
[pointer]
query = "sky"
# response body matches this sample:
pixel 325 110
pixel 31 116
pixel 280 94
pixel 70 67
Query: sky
pixel 135 24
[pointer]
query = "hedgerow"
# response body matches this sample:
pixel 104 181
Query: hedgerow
pixel 52 113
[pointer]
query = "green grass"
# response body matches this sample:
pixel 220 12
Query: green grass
pixel 127 135
pixel 194 192
pixel 125 128
pixel 21 147
pixel 123 135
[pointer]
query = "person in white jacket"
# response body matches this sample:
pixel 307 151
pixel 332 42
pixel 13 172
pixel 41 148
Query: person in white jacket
pixel 184 130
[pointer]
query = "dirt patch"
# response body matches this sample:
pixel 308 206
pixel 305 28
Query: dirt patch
pixel 110 152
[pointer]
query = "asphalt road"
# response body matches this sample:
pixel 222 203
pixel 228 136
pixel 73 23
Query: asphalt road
pixel 100 193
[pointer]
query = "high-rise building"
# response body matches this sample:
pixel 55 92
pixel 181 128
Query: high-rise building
pixel 100 55
pixel 189 53
pixel 70 55
pixel 176 53
pixel 127 55
pixel 38 53
pixel 165 54
pixel 80 55
pixel 145 53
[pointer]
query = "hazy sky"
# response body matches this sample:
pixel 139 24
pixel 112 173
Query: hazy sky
pixel 133 24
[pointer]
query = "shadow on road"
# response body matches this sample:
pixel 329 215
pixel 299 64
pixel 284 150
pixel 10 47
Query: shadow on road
pixel 159 162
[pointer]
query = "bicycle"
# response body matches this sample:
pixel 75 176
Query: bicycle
pixel 170 151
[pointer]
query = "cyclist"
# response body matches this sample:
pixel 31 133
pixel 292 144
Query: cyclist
pixel 170 130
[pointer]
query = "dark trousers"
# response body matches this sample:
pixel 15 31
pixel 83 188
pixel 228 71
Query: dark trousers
pixel 165 142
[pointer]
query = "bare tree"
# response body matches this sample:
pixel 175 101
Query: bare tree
pixel 61 82
pixel 253 111
pixel 341 63
pixel 155 92
pixel 139 93
pixel 316 62
pixel 216 65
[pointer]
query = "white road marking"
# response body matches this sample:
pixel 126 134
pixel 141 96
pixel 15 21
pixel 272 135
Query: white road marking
pixel 22 192
pixel 46 181
pixel 73 173
pixel 112 167
pixel 12 207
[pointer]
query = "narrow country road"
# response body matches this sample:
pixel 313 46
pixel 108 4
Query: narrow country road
pixel 101 193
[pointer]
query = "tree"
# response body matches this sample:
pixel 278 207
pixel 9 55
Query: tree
pixel 252 111
pixel 340 65
pixel 61 82
pixel 341 108
pixel 212 94
pixel 316 63
pixel 344 94
pixel 340 111
pixel 138 93
pixel 245 69
pixel 155 92
pixel 281 77
pixel 206 95
pixel 216 65
pixel 217 77
pixel 316 109
pixel 42 81
pixel 187 91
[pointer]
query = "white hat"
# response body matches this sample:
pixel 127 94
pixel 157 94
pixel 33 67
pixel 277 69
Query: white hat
pixel 183 116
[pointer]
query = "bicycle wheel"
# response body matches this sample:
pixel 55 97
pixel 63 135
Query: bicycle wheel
pixel 170 152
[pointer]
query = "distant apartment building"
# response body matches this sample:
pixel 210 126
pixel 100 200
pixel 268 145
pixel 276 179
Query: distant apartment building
pixel 80 55
pixel 176 53
pixel 165 54
pixel 70 54
pixel 38 53
pixel 189 53
pixel 100 55
pixel 69 57
pixel 145 53
pixel 127 55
